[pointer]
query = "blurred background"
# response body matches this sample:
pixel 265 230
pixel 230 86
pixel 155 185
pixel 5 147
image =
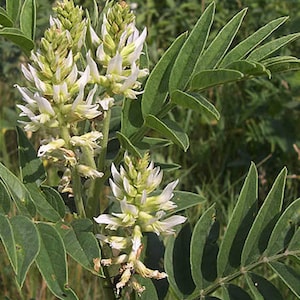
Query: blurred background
pixel 260 118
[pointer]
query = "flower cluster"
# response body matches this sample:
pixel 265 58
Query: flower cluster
pixel 57 100
pixel 115 65
pixel 142 209
pixel 68 94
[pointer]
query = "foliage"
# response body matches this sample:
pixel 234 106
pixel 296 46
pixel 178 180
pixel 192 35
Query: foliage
pixel 38 228
pixel 255 236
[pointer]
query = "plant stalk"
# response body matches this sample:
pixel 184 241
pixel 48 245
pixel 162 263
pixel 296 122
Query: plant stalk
pixel 93 203
pixel 76 184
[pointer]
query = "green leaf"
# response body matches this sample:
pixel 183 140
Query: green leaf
pixel 131 117
pixel 127 145
pixel 80 242
pixel 12 8
pixel 284 229
pixel 5 19
pixel 4 198
pixel 157 85
pixel 195 102
pixel 250 43
pixel 284 66
pixel 170 130
pixel 32 169
pixel 262 288
pixel 150 291
pixel 168 266
pixel 27 245
pixel 8 240
pixel 181 260
pixel 288 275
pixel 171 167
pixel 270 47
pixel 18 192
pixel 249 68
pixel 191 50
pixel 28 18
pixel 17 36
pixel 209 78
pixel 219 46
pixel 242 217
pixel 281 63
pixel 279 59
pixel 253 287
pixel 234 292
pixel 185 200
pixel 51 262
pixel 150 143
pixel 55 199
pixel 264 222
pixel 198 242
pixel 43 206
pixel 295 241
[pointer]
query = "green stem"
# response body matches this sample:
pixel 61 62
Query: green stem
pixel 104 141
pixel 76 184
pixel 93 203
pixel 90 161
pixel 76 180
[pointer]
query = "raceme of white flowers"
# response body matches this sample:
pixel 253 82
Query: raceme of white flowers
pixel 66 93
pixel 118 49
pixel 142 209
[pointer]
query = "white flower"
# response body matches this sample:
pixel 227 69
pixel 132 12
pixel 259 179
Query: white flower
pixel 56 144
pixel 38 109
pixel 31 75
pixel 94 37
pixel 106 103
pixel 94 72
pixel 138 42
pixel 112 222
pixel 83 80
pixel 101 55
pixel 162 201
pixel 129 213
pixel 136 241
pixel 117 191
pixel 85 109
pixel 60 92
pixel 115 260
pixel 165 226
pixel 154 178
pixel 87 140
pixel 87 171
pixel 127 217
pixel 115 242
pixel 115 65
